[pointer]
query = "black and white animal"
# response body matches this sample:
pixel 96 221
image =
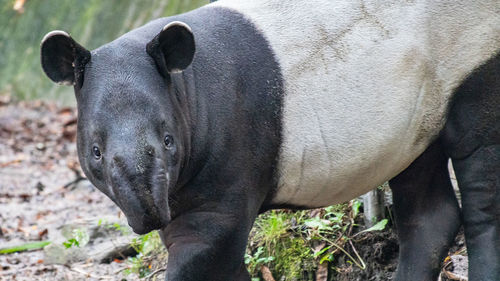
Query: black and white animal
pixel 194 124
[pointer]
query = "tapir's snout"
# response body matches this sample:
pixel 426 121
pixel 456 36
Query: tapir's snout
pixel 138 183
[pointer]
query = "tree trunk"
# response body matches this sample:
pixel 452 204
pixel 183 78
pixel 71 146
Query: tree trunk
pixel 373 206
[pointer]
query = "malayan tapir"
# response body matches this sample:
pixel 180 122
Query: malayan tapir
pixel 194 124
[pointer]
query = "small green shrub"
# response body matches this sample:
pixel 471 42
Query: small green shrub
pixel 277 243
pixel 293 244
pixel 148 246
pixel 79 238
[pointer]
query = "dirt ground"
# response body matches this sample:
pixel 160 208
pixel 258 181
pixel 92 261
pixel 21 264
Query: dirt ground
pixel 40 192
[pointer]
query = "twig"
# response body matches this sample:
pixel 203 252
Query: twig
pixel 454 276
pixel 87 274
pixel 120 270
pixel 15 161
pixel 362 265
pixel 356 252
pixel 74 182
pixel 87 264
pixel 19 270
pixel 322 272
pixel 150 276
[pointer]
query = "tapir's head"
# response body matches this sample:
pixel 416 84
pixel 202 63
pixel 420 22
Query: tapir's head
pixel 132 139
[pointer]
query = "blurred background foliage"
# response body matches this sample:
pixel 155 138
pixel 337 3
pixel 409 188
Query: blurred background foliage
pixel 23 23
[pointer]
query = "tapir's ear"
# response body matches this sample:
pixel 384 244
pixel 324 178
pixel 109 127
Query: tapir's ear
pixel 173 48
pixel 63 59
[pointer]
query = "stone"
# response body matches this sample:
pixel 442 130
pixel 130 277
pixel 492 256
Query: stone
pixel 99 241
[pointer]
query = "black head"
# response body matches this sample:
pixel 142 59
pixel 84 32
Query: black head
pixel 132 133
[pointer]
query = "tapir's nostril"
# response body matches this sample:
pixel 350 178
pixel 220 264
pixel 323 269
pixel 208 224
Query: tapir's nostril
pixel 150 150
pixel 118 161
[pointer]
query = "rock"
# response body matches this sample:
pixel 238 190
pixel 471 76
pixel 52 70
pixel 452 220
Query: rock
pixel 106 250
pixel 99 241
pixel 56 253
pixel 460 266
pixel 85 186
pixel 39 186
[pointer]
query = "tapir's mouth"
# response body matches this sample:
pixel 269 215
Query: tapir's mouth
pixel 142 196
pixel 144 221
pixel 143 212
pixel 145 224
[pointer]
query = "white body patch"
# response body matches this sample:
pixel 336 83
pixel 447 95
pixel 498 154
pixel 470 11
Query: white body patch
pixel 367 84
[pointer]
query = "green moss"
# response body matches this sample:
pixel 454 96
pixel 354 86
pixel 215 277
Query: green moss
pixel 278 243
pixel 295 257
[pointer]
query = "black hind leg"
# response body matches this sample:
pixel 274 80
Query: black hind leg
pixel 479 179
pixel 427 215
pixel 472 139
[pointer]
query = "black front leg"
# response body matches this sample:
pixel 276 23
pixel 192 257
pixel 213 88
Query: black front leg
pixel 207 245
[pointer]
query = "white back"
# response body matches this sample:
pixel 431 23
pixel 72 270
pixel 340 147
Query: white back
pixel 367 84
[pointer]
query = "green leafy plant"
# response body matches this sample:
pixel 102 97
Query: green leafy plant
pixel 293 244
pixel 377 227
pixel 113 226
pixel 79 238
pixel 276 242
pixel 255 260
pixel 24 247
pixel 147 247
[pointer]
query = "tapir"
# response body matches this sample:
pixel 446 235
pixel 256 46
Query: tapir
pixel 196 123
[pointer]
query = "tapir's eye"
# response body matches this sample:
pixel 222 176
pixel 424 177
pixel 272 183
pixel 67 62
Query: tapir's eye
pixel 97 152
pixel 168 141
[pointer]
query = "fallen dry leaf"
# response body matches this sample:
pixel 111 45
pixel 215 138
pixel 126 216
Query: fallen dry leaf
pixel 266 273
pixel 43 233
pixel 19 6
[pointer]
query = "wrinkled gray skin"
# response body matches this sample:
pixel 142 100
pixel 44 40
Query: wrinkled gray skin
pixel 128 125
